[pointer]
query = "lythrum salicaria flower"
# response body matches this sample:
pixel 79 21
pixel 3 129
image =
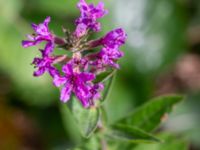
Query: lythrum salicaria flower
pixel 88 19
pixel 79 70
pixel 41 34
pixel 44 64
pixel 75 82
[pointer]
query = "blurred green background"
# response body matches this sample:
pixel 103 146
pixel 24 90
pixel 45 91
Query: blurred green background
pixel 162 56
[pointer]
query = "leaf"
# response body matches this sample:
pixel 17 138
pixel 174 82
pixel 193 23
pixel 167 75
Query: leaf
pixel 170 143
pixel 69 123
pixel 108 80
pixel 93 143
pixel 149 116
pixel 104 76
pixel 86 119
pixel 130 134
pixel 107 89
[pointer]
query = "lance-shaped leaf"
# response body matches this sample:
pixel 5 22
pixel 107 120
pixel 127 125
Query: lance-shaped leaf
pixel 170 143
pixel 130 134
pixel 108 86
pixel 86 119
pixel 150 115
pixel 108 79
pixel 104 76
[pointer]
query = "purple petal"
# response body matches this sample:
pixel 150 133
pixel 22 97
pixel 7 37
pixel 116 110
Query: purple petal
pixel 30 37
pixel 36 61
pixel 82 94
pixel 58 81
pixel 81 30
pixel 68 69
pixel 99 86
pixel 85 103
pixel 48 49
pixel 53 71
pixel 82 5
pixel 42 28
pixel 39 72
pixel 113 64
pixel 47 20
pixel 66 93
pixel 26 44
pixel 115 38
pixel 34 26
pixel 95 91
pixel 87 76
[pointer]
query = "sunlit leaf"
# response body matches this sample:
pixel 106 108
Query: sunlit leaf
pixel 130 134
pixel 149 116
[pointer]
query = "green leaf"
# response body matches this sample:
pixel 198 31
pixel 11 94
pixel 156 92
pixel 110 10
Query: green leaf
pixel 104 76
pixel 130 134
pixel 149 116
pixel 86 119
pixel 93 143
pixel 170 143
pixel 69 123
pixel 107 89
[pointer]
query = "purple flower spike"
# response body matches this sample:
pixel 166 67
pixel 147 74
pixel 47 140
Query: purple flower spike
pixel 74 82
pixel 114 38
pixel 88 18
pixel 81 64
pixel 42 33
pixel 44 64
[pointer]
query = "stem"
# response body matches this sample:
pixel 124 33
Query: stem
pixel 59 41
pixel 61 59
pixel 104 144
pixel 101 123
pixel 81 50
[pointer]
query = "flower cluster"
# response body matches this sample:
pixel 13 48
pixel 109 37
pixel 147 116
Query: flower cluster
pixel 81 69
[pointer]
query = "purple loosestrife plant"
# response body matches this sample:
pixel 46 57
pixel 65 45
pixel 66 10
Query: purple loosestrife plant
pixel 83 80
pixel 79 72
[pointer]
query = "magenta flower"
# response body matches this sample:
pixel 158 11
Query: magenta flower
pixel 88 19
pixel 110 52
pixel 74 82
pixel 95 92
pixel 114 38
pixel 107 57
pixel 44 64
pixel 42 33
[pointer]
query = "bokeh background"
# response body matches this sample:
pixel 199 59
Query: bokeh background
pixel 162 56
